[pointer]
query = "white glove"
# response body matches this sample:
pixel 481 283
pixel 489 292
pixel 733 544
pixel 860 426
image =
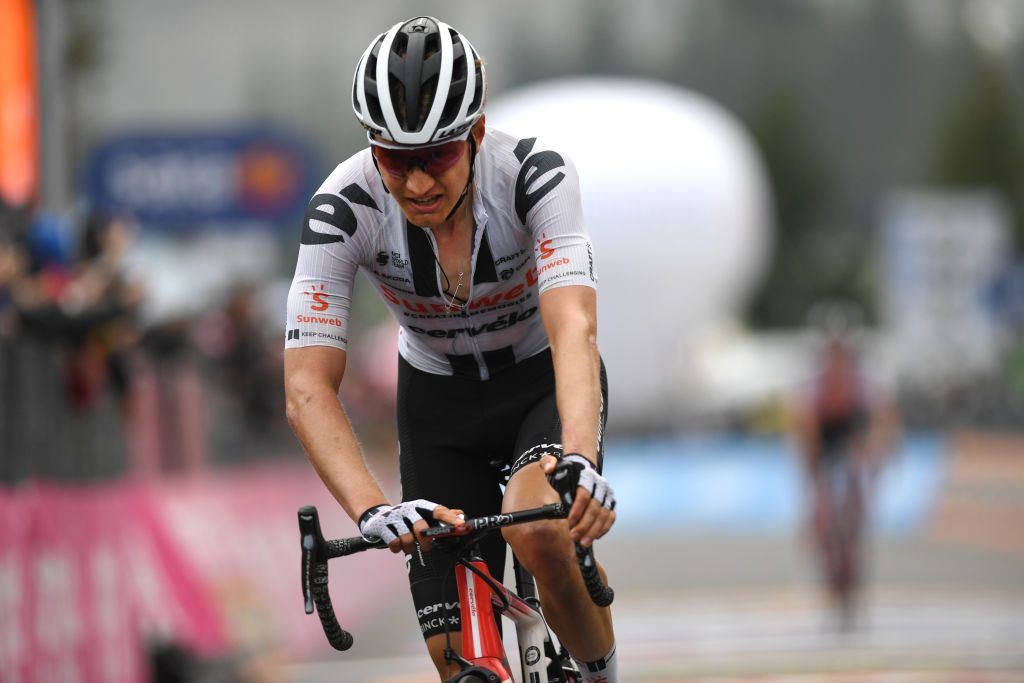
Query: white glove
pixel 388 522
pixel 592 481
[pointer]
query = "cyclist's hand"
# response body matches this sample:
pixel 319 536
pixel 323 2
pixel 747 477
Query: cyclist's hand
pixel 593 509
pixel 396 524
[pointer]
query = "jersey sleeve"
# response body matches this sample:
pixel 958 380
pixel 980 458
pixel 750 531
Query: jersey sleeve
pixel 549 204
pixel 337 224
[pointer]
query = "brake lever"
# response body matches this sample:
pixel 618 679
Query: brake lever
pixel 564 479
pixel 312 545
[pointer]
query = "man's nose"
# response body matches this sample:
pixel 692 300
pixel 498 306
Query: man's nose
pixel 418 181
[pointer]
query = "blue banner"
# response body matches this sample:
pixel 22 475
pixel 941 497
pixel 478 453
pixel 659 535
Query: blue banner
pixel 189 180
pixel 722 484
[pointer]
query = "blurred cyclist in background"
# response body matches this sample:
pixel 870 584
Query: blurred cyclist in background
pixel 843 425
pixel 475 241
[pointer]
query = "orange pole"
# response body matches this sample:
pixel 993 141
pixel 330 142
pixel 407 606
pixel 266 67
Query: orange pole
pixel 19 103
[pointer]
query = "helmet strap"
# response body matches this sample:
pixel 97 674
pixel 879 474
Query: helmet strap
pixel 469 182
pixel 382 184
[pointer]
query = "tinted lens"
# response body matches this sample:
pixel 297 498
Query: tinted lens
pixel 434 160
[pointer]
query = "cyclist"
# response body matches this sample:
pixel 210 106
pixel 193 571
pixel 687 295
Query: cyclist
pixel 475 241
pixel 843 427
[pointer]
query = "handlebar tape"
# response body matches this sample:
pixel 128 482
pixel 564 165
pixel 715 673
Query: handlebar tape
pixel 564 479
pixel 339 547
pixel 601 594
pixel 339 638
pixel 315 553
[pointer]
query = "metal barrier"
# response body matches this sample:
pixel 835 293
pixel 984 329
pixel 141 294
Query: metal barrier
pixel 41 436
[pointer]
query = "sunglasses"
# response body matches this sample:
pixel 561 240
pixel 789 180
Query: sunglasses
pixel 433 160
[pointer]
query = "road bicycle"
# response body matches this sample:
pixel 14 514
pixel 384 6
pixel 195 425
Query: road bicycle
pixel 481 597
pixel 841 509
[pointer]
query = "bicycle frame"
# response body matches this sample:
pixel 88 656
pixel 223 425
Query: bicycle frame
pixel 481 642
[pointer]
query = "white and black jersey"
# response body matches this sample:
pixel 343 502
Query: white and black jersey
pixel 528 237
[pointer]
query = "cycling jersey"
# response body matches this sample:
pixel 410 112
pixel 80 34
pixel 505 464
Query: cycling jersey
pixel 838 402
pixel 528 237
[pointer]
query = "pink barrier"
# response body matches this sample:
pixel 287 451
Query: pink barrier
pixel 88 574
pixel 240 530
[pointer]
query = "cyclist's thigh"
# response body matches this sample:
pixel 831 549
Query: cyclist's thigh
pixel 439 462
pixel 541 435
pixel 540 432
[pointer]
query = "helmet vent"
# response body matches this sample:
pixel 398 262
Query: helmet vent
pixel 401 44
pixel 478 94
pixel 372 99
pixel 456 93
pixel 424 59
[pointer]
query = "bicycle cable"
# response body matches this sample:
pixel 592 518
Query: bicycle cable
pixel 449 653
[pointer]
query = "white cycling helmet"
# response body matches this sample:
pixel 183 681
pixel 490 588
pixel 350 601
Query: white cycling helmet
pixel 420 83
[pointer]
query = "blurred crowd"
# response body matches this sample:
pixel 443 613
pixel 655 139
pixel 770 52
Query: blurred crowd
pixel 88 388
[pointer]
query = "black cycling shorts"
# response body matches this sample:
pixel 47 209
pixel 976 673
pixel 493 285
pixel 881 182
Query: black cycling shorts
pixel 459 439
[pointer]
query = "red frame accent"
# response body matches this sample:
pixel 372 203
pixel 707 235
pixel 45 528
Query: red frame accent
pixel 481 641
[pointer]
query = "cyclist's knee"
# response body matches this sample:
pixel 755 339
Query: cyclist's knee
pixel 542 547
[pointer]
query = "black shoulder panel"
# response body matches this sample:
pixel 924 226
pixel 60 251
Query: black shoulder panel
pixel 534 167
pixel 341 217
pixel 358 195
pixel 523 148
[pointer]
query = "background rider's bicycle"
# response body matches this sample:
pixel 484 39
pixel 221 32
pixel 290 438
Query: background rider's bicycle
pixel 839 526
pixel 483 656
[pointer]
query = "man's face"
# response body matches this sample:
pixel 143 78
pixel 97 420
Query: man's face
pixel 427 181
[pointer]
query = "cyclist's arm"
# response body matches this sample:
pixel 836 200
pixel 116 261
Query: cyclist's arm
pixel 312 378
pixel 568 305
pixel 570 319
pixel 336 239
pixel 568 298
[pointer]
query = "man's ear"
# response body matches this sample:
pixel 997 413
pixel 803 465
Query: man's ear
pixel 479 128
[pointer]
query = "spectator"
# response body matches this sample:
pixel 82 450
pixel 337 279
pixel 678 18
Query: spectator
pixel 106 301
pixel 66 318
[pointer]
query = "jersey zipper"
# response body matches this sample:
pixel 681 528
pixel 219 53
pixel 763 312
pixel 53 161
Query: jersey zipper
pixel 472 344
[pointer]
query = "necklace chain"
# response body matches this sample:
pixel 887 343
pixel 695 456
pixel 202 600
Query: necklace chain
pixel 448 283
pixel 451 302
